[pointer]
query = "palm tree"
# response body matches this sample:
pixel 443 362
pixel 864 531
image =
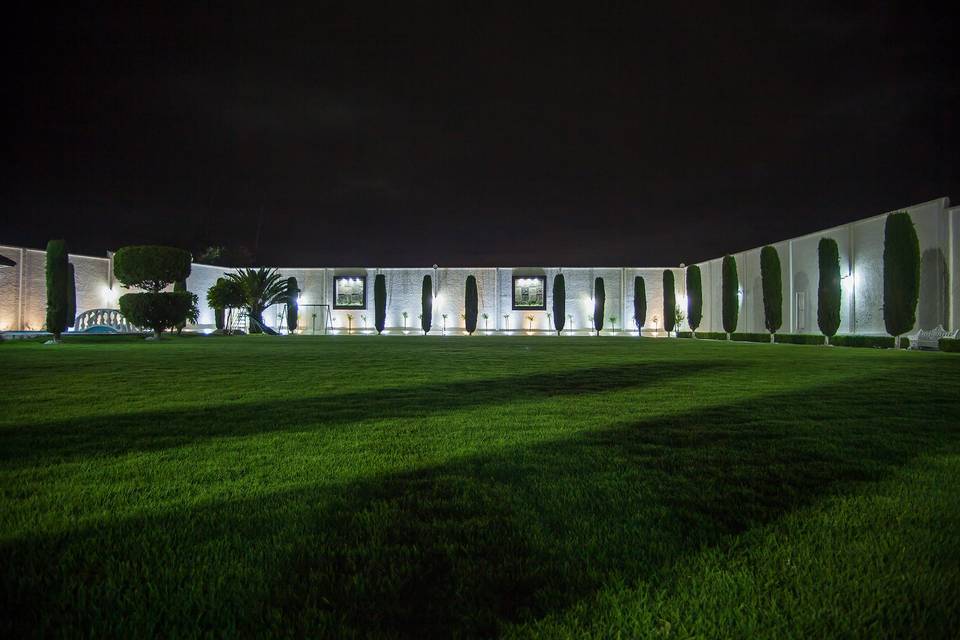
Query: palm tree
pixel 261 288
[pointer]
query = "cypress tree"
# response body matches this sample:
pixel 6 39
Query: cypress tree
pixel 58 274
pixel 729 295
pixel 559 303
pixel 219 311
pixel 639 302
pixel 599 301
pixel 772 289
pixel 293 306
pixel 426 304
pixel 694 297
pixel 71 296
pixel 828 288
pixel 380 302
pixel 471 304
pixel 901 274
pixel 669 301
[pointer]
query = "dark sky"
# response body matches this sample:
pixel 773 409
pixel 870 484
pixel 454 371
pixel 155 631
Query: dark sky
pixel 413 134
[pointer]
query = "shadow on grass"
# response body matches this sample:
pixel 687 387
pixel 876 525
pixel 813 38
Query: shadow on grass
pixel 91 436
pixel 466 547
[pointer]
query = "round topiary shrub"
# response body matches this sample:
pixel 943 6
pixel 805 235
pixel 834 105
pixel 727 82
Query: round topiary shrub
pixel 151 268
pixel 157 311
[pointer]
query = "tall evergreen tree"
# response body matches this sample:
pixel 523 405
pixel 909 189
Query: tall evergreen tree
pixel 772 289
pixel 293 304
pixel 669 301
pixel 380 302
pixel 901 274
pixel 559 303
pixel 694 297
pixel 730 294
pixel 471 304
pixel 639 303
pixel 828 287
pixel 426 304
pixel 599 301
pixel 58 276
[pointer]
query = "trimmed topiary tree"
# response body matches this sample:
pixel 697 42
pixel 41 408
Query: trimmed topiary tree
pixel 426 304
pixel 58 278
pixel 901 274
pixel 380 303
pixel 669 301
pixel 639 303
pixel 71 296
pixel 828 288
pixel 153 269
pixel 694 298
pixel 730 294
pixel 471 304
pixel 293 304
pixel 599 301
pixel 772 289
pixel 559 303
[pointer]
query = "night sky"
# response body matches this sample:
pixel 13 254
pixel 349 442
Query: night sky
pixel 411 135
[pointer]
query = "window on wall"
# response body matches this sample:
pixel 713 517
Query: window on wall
pixel 350 292
pixel 529 293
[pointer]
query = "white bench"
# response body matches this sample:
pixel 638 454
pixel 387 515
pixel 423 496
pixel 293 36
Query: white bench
pixel 930 338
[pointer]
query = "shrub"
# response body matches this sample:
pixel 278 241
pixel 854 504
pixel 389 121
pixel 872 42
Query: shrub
pixel 711 335
pixel 798 338
pixel 639 302
pixel 750 337
pixel 426 304
pixel 58 277
pixel 151 268
pixel 694 297
pixel 293 306
pixel 772 288
pixel 729 295
pixel 876 342
pixel 218 318
pixel 157 311
pixel 951 345
pixel 224 294
pixel 180 286
pixel 828 288
pixel 901 273
pixel 599 301
pixel 559 303
pixel 471 305
pixel 71 297
pixel 669 301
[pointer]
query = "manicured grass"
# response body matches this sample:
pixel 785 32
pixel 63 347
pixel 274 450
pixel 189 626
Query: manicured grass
pixel 559 487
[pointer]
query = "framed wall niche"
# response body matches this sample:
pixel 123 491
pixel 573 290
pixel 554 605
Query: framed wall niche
pixel 529 293
pixel 350 292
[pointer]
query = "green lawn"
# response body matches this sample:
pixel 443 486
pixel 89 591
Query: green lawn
pixel 559 487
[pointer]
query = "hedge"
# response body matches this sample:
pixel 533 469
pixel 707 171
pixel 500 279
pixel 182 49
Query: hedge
pixel 694 297
pixel 471 304
pixel 426 304
pixel 158 311
pixel 599 302
pixel 798 338
pixel 669 301
pixel 559 302
pixel 293 306
pixel 729 295
pixel 58 277
pixel 876 342
pixel 151 268
pixel 828 287
pixel 711 335
pixel 951 345
pixel 772 285
pixel 901 273
pixel 639 302
pixel 750 337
